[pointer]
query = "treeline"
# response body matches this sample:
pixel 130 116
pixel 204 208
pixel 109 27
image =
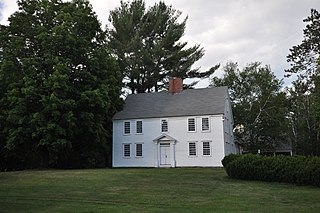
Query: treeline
pixel 59 88
pixel 62 75
pixel 269 116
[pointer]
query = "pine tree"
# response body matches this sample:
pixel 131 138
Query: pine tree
pixel 148 46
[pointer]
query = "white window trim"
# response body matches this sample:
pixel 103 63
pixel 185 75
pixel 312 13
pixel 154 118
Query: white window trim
pixel 195 124
pixel 196 144
pixel 138 133
pixel 123 144
pixel 210 146
pixel 124 132
pixel 166 119
pixel 135 146
pixel 208 124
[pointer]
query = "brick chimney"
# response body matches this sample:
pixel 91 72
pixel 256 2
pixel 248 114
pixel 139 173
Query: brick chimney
pixel 175 85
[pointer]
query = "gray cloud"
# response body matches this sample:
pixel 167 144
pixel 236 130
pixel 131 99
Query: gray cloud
pixel 242 31
pixel 245 31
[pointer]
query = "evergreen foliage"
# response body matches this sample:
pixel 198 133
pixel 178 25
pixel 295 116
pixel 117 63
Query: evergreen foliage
pixel 147 45
pixel 304 95
pixel 296 169
pixel 304 58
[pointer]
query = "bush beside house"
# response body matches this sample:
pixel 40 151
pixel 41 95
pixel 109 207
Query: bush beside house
pixel 288 169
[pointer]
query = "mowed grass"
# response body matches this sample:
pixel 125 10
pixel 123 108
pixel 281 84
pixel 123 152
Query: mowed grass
pixel 148 190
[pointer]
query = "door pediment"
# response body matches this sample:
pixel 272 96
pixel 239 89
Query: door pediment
pixel 164 138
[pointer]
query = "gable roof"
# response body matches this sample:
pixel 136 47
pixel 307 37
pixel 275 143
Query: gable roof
pixel 191 102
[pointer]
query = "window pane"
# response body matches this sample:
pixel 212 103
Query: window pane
pixel 139 126
pixel 164 126
pixel 126 150
pixel 191 125
pixel 127 127
pixel 192 149
pixel 205 124
pixel 139 150
pixel 206 148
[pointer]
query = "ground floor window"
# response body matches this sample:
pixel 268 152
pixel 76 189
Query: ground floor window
pixel 206 148
pixel 126 150
pixel 192 149
pixel 139 150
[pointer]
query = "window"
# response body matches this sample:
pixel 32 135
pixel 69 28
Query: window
pixel 164 125
pixel 205 124
pixel 192 149
pixel 206 151
pixel 139 150
pixel 126 125
pixel 139 127
pixel 126 150
pixel 191 124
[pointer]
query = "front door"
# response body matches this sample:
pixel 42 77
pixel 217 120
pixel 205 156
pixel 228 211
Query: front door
pixel 165 154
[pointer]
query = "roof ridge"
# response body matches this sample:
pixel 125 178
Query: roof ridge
pixel 166 92
pixel 191 102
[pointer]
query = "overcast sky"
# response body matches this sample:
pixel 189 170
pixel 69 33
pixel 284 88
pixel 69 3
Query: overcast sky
pixel 242 31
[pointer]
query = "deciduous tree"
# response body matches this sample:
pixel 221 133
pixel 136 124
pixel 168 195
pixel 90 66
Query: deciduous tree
pixel 59 86
pixel 259 106
pixel 304 94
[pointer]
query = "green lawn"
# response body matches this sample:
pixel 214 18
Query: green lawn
pixel 148 190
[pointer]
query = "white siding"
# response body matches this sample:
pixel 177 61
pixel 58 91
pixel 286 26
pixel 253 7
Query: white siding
pixel 177 129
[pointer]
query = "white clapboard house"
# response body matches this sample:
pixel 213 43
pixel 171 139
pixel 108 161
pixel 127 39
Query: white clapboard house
pixel 178 128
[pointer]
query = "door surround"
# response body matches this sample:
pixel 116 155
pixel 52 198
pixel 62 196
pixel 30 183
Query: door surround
pixel 165 143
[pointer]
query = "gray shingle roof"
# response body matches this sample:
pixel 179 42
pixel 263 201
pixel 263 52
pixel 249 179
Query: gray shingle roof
pixel 191 102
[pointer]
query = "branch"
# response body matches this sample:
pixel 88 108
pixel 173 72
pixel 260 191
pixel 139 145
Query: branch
pixel 261 109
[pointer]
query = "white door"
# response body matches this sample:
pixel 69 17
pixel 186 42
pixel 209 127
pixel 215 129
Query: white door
pixel 165 154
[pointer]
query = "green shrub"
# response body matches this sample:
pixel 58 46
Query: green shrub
pixel 227 159
pixel 296 169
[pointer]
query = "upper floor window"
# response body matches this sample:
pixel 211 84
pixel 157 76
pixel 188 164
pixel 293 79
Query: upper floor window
pixel 126 150
pixel 205 124
pixel 192 149
pixel 206 149
pixel 126 127
pixel 139 127
pixel 191 124
pixel 164 125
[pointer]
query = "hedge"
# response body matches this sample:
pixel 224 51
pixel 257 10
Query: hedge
pixel 289 169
